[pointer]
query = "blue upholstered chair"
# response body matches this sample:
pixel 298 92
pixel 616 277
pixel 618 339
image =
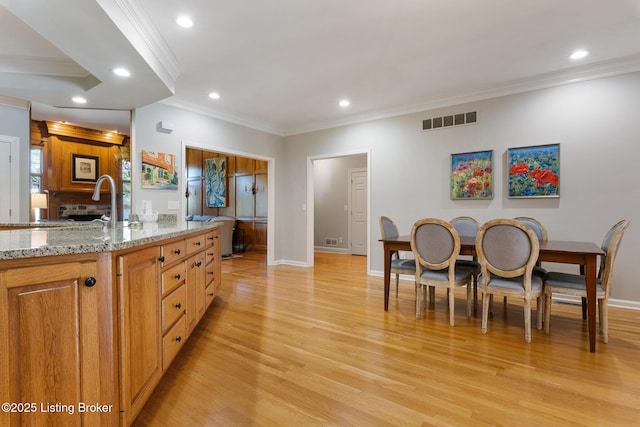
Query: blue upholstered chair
pixel 468 227
pixel 436 245
pixel 507 251
pixel 574 284
pixel 389 230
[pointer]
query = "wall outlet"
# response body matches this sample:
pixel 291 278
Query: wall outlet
pixel 174 205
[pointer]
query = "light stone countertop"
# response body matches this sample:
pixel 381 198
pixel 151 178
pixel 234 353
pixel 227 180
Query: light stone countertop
pixel 77 239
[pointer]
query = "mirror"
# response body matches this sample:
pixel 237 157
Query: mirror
pixel 116 156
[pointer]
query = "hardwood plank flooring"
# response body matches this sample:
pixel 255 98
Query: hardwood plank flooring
pixel 291 346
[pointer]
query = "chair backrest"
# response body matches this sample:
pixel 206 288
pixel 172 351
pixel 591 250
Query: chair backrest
pixel 610 245
pixel 536 226
pixel 388 228
pixel 435 244
pixel 507 248
pixel 465 226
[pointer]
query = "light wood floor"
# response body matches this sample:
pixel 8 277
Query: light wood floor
pixel 291 346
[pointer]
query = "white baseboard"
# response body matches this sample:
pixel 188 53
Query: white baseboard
pixel 331 250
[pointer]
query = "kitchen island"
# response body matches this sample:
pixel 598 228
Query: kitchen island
pixel 90 319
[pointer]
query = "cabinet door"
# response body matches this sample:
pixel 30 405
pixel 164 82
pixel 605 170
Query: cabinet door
pixel 140 328
pixel 196 282
pixel 58 343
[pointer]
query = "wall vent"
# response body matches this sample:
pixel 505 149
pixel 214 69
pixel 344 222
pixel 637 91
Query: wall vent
pixel 330 241
pixel 451 120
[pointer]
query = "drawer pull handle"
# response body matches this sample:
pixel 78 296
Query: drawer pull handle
pixel 211 294
pixel 211 273
pixel 178 305
pixel 178 276
pixel 197 243
pixel 89 282
pixel 210 238
pixel 161 259
pixel 179 339
pixel 177 252
pixel 198 264
pixel 210 253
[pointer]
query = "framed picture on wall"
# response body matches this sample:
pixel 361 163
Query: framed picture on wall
pixel 472 175
pixel 534 171
pixel 84 168
pixel 215 182
pixel 159 171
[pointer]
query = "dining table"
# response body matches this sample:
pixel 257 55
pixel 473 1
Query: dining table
pixel 584 254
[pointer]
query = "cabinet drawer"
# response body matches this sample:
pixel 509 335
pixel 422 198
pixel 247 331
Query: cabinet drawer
pixel 172 252
pixel 209 294
pixel 209 255
pixel 209 238
pixel 173 342
pixel 195 243
pixel 209 273
pixel 173 277
pixel 173 306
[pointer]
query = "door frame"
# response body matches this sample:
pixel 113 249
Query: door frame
pixel 309 206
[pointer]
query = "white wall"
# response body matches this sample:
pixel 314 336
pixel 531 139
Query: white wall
pixel 595 123
pixel 204 132
pixel 16 122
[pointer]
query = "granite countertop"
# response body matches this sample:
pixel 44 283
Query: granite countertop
pixel 76 239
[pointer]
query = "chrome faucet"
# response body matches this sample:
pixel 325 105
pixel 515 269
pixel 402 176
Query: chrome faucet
pixel 114 209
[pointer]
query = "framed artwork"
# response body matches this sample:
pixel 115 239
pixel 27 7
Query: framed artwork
pixel 159 171
pixel 472 175
pixel 534 171
pixel 84 168
pixel 215 182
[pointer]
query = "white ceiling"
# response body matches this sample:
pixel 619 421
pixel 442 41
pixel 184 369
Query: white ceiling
pixel 283 65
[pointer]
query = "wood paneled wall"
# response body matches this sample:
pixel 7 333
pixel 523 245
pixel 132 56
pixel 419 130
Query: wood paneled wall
pixel 247 194
pixel 59 142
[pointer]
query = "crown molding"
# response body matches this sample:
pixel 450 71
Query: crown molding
pixel 15 102
pixel 177 102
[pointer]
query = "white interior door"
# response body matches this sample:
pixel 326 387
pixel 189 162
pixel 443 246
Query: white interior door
pixel 358 211
pixel 5 177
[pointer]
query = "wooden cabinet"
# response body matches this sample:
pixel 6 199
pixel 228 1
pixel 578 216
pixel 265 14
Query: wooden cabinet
pixel 140 329
pixel 57 340
pixel 99 328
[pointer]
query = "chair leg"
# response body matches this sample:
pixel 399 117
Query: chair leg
pixel 397 281
pixel 419 292
pixel 527 320
pixel 539 312
pixel 547 312
pixel 584 308
pixel 604 319
pixel 469 301
pixel 485 311
pixel 452 302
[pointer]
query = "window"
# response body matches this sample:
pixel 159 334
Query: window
pixel 35 171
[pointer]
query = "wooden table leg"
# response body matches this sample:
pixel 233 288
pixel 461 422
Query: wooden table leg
pixel 591 283
pixel 387 275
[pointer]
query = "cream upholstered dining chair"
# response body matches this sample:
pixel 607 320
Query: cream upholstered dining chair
pixel 468 226
pixel 389 230
pixel 507 251
pixel 541 233
pixel 574 284
pixel 436 245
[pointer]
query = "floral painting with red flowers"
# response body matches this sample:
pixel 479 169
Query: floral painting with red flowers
pixel 472 175
pixel 534 171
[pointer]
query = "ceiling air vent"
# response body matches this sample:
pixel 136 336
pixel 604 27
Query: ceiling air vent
pixel 450 121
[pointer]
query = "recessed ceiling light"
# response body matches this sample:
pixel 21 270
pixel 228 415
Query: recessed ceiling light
pixel 79 100
pixel 344 103
pixel 579 54
pixel 214 95
pixel 184 21
pixel 122 72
